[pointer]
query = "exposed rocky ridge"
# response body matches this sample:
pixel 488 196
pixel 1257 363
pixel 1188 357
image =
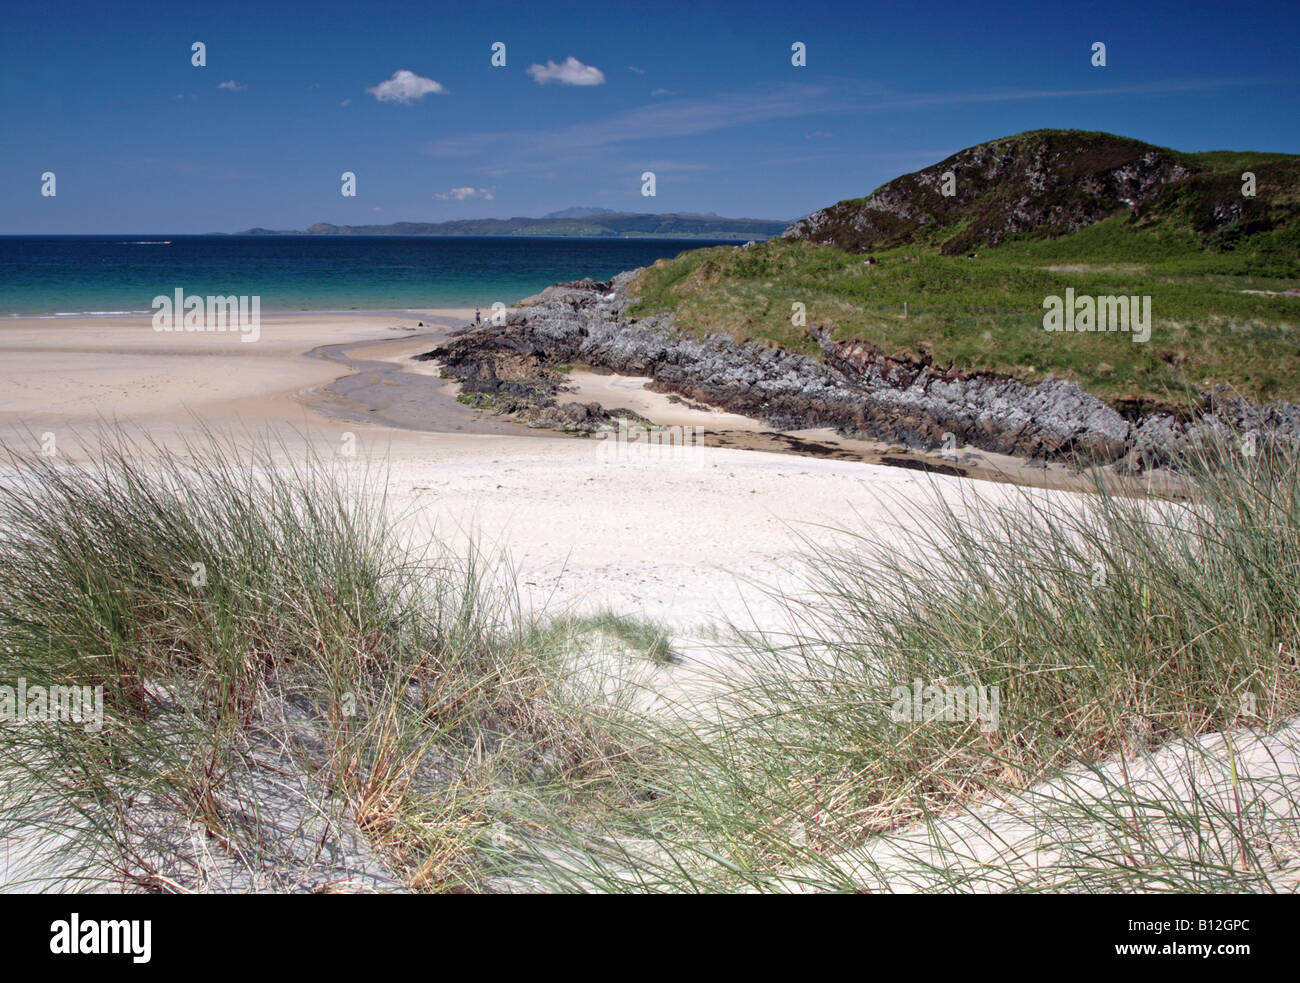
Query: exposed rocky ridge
pixel 856 390
pixel 1049 182
pixel 502 370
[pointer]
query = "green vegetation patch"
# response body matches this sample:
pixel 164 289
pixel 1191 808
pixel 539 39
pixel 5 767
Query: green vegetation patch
pixel 985 314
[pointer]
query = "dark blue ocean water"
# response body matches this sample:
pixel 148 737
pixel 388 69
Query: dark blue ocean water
pixel 122 274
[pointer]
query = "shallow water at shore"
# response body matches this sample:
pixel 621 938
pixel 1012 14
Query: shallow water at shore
pixel 65 276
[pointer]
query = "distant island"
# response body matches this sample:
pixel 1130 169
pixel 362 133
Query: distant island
pixel 569 222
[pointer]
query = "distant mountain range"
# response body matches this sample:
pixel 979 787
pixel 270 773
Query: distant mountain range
pixel 569 222
pixel 578 212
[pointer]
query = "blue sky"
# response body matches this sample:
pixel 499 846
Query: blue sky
pixel 703 94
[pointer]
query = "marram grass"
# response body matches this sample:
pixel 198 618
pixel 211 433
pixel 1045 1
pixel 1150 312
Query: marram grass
pixel 257 627
pixel 1142 656
pixel 250 613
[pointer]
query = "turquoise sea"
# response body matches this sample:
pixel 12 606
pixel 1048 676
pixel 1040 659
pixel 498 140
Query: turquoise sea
pixel 70 275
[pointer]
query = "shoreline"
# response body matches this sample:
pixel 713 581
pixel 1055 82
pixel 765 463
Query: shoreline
pixel 854 389
pixel 382 364
pixel 582 529
pixel 383 387
pixel 724 538
pixel 287 312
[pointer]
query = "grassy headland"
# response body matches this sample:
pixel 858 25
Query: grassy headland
pixel 1193 244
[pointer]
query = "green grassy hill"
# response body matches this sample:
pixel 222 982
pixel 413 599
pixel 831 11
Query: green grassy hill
pixel 1042 211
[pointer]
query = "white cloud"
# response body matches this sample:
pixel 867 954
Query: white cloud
pixel 405 87
pixel 344 103
pixel 568 72
pixel 232 85
pixel 663 92
pixel 464 194
pixel 633 68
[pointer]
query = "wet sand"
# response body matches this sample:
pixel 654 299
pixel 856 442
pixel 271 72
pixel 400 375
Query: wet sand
pixel 387 387
pixel 390 388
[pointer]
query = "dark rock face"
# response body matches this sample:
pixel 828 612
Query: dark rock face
pixel 856 391
pixel 1161 439
pixel 581 293
pixel 505 369
pixel 1048 182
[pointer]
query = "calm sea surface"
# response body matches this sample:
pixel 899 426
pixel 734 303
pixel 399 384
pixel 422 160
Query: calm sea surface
pixel 67 275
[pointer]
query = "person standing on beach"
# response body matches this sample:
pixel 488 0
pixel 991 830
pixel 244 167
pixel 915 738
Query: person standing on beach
pixel 478 316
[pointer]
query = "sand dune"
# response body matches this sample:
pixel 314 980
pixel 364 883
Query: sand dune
pixel 692 541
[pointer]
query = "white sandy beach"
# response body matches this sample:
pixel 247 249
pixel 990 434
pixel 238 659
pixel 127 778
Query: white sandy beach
pixel 691 541
pixel 665 537
pixel 584 525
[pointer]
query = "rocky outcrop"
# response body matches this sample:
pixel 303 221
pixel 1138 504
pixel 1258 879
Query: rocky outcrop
pixel 506 370
pixel 1162 439
pixel 855 389
pixel 1049 182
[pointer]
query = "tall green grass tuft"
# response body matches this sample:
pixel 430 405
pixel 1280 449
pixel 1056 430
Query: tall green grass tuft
pixel 293 699
pixel 296 700
pixel 1143 657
